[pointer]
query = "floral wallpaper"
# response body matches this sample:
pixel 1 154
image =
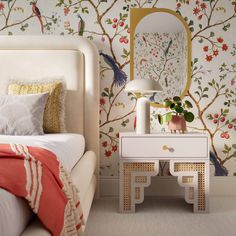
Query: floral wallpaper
pixel 162 57
pixel 106 22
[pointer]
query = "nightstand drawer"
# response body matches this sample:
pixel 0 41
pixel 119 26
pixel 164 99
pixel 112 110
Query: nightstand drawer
pixel 165 147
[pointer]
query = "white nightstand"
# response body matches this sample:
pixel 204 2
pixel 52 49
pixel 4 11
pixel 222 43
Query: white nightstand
pixel 187 153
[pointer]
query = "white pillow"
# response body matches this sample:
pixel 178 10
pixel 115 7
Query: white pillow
pixel 22 114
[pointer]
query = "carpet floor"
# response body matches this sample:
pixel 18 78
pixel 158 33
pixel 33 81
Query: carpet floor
pixel 162 217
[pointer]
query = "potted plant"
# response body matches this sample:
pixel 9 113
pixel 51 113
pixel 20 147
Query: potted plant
pixel 177 115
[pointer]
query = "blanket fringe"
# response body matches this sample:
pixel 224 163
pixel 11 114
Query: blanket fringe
pixel 73 219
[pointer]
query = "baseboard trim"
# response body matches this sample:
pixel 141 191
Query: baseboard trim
pixel 167 186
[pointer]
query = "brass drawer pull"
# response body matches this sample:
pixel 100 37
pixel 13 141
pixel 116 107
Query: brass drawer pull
pixel 170 149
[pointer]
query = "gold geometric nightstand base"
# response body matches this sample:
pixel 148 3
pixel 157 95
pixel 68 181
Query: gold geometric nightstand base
pixel 193 176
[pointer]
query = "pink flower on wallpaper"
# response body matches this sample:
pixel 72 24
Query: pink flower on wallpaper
pixel 114 148
pixel 1 6
pixel 66 11
pixel 205 48
pixel 203 6
pixel 200 17
pixel 108 153
pixel 178 5
pixel 196 11
pixel 209 58
pixel 216 52
pixel 102 101
pixel 220 40
pixel 104 144
pixel 224 47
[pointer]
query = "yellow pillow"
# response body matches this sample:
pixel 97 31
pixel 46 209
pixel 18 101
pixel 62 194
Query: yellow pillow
pixel 53 119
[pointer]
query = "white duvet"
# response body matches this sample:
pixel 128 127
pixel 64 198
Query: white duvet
pixel 14 212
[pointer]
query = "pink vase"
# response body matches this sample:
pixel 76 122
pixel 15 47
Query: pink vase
pixel 177 123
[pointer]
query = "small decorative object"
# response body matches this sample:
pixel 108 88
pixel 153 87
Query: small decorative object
pixel 144 87
pixel 178 114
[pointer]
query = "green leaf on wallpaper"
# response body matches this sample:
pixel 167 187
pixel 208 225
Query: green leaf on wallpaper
pixel 227 148
pixel 200 40
pixel 226 27
pixel 191 29
pixel 90 37
pixel 70 1
pixel 234 154
pixel 104 94
pixel 195 60
pixel 200 26
pixel 209 117
pixel 212 34
pixel 111 95
pixel 186 18
pixel 60 3
pixel 124 123
pixel 108 21
pixel 103 1
pixel 111 129
pixel 197 93
pixel 85 10
pixel 125 53
pixel 178 12
pixel 234 146
pixel 190 23
pixel 10 33
pixel 226 111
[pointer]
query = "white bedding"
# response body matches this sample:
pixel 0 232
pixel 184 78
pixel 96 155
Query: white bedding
pixel 14 212
pixel 69 148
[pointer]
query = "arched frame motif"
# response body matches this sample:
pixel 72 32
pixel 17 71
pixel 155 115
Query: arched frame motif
pixel 136 15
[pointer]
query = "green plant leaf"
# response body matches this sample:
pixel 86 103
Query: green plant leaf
pixel 172 106
pixel 168 117
pixel 160 119
pixel 188 104
pixel 176 99
pixel 179 109
pixel 189 116
pixel 166 103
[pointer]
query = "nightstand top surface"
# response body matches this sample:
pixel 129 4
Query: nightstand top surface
pixel 195 134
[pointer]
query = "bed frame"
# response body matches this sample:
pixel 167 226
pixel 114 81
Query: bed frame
pixel 74 59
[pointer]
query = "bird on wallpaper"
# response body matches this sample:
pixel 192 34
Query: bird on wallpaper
pixel 119 75
pixel 38 14
pixel 219 169
pixel 81 25
pixel 152 98
pixel 168 47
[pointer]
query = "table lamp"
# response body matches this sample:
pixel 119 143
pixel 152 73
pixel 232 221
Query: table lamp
pixel 144 87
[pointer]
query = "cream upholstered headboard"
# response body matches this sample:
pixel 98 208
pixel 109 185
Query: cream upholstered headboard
pixel 74 59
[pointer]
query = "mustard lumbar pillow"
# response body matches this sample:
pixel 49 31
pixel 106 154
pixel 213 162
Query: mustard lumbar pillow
pixel 54 113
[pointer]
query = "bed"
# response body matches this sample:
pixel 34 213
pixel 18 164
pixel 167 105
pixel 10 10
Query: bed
pixel 76 61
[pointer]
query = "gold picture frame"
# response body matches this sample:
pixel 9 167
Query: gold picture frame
pixel 136 15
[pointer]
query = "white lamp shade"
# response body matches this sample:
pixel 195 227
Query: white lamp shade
pixel 144 86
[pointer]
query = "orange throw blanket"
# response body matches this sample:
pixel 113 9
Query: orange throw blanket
pixel 35 174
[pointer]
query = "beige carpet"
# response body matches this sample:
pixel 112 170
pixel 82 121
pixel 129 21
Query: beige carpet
pixel 162 217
